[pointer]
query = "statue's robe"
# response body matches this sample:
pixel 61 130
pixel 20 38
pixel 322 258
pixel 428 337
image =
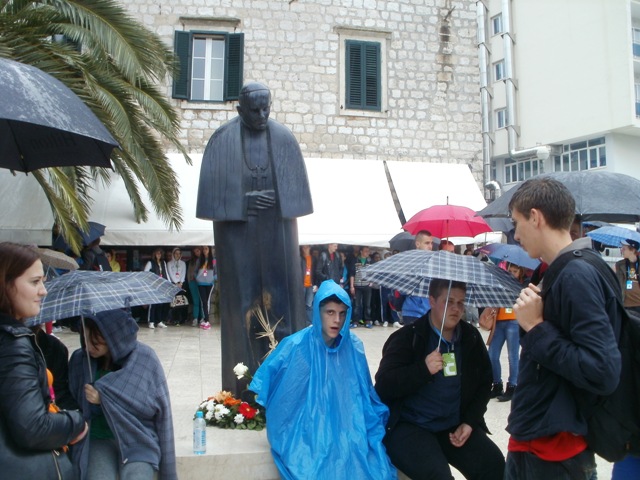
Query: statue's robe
pixel 257 250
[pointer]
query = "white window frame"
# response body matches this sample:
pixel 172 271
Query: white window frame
pixel 573 157
pixel 498 71
pixel 496 24
pixel 208 60
pixel 501 118
pixel 517 171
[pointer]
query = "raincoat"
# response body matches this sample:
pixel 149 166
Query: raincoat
pixel 324 418
pixel 134 398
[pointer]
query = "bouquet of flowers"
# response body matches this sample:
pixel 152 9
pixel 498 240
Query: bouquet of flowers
pixel 226 411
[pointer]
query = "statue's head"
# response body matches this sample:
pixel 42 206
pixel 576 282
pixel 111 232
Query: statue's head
pixel 255 105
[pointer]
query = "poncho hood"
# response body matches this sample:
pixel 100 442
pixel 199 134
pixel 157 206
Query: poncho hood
pixel 327 289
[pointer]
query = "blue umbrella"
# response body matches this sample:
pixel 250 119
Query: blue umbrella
pixel 515 254
pixel 96 230
pixel 612 236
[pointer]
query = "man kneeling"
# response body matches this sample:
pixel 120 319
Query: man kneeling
pixel 435 376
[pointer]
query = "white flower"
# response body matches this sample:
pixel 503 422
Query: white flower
pixel 239 418
pixel 209 415
pixel 217 407
pixel 222 412
pixel 210 405
pixel 240 370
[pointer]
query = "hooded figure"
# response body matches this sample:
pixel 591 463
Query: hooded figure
pixel 324 418
pixel 134 397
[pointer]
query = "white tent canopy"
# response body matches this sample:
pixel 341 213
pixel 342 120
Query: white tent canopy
pixel 351 199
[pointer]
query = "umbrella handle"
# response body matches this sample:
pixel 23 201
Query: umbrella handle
pixel 86 348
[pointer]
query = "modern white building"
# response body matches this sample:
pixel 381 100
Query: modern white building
pixel 560 87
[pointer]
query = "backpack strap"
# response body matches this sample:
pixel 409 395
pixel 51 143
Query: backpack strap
pixel 591 257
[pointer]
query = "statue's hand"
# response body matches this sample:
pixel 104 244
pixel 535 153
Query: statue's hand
pixel 260 200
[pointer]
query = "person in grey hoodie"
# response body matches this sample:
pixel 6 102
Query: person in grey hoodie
pixel 125 399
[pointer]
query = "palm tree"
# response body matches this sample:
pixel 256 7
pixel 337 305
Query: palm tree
pixel 114 64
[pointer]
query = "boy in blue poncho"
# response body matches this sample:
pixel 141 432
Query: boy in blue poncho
pixel 324 418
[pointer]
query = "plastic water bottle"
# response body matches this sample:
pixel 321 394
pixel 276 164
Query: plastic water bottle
pixel 199 435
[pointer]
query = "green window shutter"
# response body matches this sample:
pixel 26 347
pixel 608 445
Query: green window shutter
pixel 182 47
pixel 372 76
pixel 234 63
pixel 363 75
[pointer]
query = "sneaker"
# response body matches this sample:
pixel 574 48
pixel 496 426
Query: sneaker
pixel 377 323
pixel 205 325
pixel 161 325
pixel 177 324
pixel 152 326
pixel 496 390
pixel 385 324
pixel 368 325
pixel 397 324
pixel 353 325
pixel 508 393
pixel 194 323
pixel 56 330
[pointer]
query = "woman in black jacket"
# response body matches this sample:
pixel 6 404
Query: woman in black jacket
pixel 32 436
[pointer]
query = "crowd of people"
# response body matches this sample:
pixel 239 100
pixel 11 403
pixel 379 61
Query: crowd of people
pixel 325 417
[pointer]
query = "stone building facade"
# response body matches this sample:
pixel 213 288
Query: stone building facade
pixel 425 61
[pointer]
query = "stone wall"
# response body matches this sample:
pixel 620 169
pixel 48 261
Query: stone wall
pixel 432 105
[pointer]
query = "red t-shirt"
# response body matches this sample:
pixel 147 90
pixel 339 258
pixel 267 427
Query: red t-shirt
pixel 554 448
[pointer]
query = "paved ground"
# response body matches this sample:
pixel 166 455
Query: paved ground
pixel 191 360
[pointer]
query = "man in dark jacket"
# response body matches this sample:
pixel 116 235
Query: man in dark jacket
pixel 568 346
pixel 435 375
pixel 329 266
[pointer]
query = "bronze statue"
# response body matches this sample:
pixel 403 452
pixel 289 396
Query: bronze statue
pixel 253 185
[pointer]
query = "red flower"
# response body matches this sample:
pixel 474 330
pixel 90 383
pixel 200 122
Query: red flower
pixel 247 411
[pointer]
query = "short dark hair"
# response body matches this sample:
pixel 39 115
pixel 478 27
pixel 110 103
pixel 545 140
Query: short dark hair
pixel 331 298
pixel 437 285
pixel 424 232
pixel 549 196
pixel 16 259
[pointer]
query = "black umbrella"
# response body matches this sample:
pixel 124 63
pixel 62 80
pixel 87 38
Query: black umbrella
pixel 404 241
pixel 44 124
pixel 599 195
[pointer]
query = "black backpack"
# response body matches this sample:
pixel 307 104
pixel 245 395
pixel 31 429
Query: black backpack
pixel 613 420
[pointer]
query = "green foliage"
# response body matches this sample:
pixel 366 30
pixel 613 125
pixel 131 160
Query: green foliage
pixel 114 64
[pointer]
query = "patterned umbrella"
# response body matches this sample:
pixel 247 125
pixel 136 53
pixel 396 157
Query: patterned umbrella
pixel 411 272
pixel 87 292
pixel 515 254
pixel 446 221
pixel 612 236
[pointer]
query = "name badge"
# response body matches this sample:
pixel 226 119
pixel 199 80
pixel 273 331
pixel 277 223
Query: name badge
pixel 629 284
pixel 449 368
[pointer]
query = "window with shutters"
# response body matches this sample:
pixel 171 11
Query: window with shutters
pixel 210 66
pixel 363 75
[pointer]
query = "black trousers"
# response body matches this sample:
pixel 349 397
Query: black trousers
pixel 422 455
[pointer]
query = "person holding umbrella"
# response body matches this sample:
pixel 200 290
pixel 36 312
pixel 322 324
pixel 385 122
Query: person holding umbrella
pixel 435 376
pixel 627 271
pixel 32 437
pixel 123 394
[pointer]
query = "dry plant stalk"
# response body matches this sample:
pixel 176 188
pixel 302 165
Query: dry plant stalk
pixel 268 331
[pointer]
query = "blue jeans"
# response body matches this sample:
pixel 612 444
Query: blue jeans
pixel 362 305
pixel 104 463
pixel 627 469
pixel 506 330
pixel 526 466
pixel 195 299
pixel 308 303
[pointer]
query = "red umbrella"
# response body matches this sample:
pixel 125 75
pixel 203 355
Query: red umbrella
pixel 446 221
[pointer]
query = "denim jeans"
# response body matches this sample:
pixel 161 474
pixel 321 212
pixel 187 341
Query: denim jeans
pixel 104 463
pixel 195 300
pixel 308 303
pixel 527 466
pixel 362 305
pixel 506 330
pixel 627 469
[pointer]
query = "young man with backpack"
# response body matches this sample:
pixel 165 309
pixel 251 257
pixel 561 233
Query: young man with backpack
pixel 570 355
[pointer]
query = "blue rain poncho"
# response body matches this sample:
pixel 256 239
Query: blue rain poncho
pixel 324 418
